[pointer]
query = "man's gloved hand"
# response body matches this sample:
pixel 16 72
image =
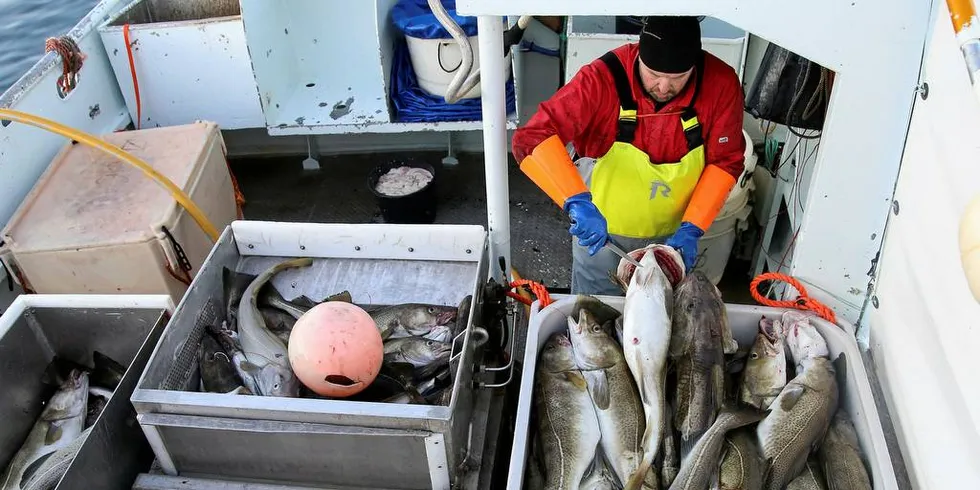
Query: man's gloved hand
pixel 588 224
pixel 685 240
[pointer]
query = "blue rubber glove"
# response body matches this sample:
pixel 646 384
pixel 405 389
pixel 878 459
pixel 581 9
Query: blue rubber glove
pixel 685 240
pixel 588 224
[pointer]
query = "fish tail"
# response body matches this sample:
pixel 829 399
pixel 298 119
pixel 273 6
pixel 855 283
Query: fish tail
pixel 636 480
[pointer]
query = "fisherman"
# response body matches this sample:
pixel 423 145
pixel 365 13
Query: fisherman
pixel 658 129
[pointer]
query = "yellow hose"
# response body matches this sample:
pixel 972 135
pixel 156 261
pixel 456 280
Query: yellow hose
pixel 95 142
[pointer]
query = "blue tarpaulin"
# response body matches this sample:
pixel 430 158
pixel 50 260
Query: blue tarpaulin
pixel 414 18
pixel 412 104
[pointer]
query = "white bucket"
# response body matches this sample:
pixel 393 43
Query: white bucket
pixel 856 398
pixel 715 247
pixel 436 62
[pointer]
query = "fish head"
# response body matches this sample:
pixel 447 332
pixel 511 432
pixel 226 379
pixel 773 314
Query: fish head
pixel 802 338
pixel 591 344
pixel 420 319
pixel 440 333
pixel 765 369
pixel 277 380
pixel 557 355
pixel 425 351
pixel 71 398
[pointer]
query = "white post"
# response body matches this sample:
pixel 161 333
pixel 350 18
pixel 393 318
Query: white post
pixel 495 149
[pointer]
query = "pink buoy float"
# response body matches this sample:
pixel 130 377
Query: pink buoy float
pixel 335 349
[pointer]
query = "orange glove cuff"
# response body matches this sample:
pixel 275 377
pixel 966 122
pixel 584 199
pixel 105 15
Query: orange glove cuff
pixel 709 197
pixel 552 170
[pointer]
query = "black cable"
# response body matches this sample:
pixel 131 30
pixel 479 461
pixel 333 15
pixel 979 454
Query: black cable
pixel 439 58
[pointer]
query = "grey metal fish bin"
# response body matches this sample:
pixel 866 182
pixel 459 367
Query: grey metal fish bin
pixel 36 329
pixel 306 441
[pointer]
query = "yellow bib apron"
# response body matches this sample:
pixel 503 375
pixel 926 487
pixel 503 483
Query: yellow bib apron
pixel 638 198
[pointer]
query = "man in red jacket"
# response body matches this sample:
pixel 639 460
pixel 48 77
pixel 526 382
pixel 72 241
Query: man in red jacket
pixel 658 129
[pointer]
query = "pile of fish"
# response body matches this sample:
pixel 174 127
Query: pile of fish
pixel 662 396
pixel 247 352
pixel 80 395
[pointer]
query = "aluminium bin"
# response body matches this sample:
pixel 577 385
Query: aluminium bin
pixel 316 441
pixel 36 328
pixel 856 397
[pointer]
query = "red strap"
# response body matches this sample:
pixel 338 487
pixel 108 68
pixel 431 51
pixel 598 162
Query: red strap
pixel 803 302
pixel 132 70
pixel 538 289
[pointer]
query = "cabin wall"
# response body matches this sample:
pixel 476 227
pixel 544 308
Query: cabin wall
pixel 924 325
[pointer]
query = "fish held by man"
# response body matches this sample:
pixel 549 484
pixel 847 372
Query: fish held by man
pixel 646 337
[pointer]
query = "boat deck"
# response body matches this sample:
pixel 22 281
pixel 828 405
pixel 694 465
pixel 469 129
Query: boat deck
pixel 279 189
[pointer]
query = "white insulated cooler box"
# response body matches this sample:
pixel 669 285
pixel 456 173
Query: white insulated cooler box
pixel 94 224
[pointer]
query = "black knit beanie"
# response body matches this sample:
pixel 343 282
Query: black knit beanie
pixel 670 44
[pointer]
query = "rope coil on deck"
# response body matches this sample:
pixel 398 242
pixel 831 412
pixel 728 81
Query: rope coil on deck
pixel 802 302
pixel 71 61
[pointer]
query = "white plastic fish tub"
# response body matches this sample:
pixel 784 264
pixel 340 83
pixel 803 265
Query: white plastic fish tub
pixel 36 328
pixel 856 397
pixel 314 441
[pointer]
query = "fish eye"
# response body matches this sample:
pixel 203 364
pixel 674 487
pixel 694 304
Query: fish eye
pixel 275 386
pixel 690 306
pixel 596 328
pixel 754 355
pixel 431 310
pixel 430 343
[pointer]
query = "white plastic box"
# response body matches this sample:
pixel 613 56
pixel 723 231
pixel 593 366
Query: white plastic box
pixel 94 224
pixel 856 397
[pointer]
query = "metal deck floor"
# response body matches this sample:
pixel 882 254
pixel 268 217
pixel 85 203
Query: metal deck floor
pixel 277 188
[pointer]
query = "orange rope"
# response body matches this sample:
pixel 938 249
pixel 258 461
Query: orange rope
pixel 803 302
pixel 132 70
pixel 538 289
pixel 71 60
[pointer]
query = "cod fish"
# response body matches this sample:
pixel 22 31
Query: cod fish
pixel 840 457
pixel 233 285
pixel 809 479
pixel 426 356
pixel 231 345
pixel 646 337
pixel 803 339
pixel 45 472
pixel 671 463
pixel 95 406
pixel 107 372
pixel 61 421
pixel 797 421
pixel 218 373
pixel 741 465
pixel 764 375
pixel 613 391
pixel 599 477
pixel 700 338
pixel 700 464
pixel 411 319
pixel 263 349
pixel 569 428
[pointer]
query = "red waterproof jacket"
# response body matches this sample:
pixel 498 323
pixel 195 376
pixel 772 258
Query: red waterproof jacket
pixel 585 111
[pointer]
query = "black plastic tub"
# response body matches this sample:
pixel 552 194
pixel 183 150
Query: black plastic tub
pixel 418 207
